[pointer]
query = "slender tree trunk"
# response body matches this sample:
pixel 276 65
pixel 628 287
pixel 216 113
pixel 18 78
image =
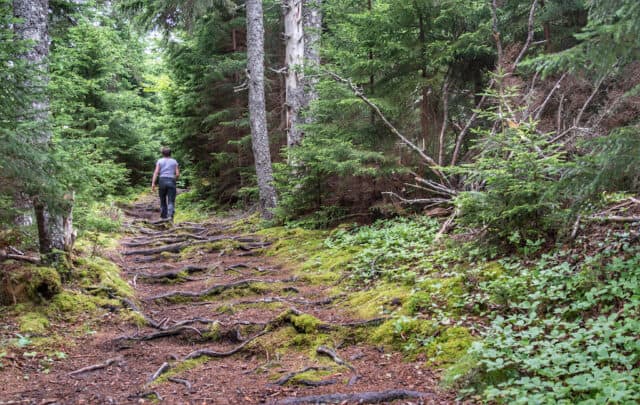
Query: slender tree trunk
pixel 257 113
pixel 55 231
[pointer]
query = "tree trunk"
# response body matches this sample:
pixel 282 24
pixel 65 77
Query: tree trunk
pixel 55 232
pixel 312 13
pixel 257 113
pixel 294 59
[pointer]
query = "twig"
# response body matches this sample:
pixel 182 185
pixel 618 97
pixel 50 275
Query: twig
pixel 530 32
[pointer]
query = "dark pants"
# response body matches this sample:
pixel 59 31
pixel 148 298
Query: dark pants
pixel 167 189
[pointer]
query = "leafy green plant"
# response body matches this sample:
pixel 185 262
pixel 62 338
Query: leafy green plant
pixel 388 247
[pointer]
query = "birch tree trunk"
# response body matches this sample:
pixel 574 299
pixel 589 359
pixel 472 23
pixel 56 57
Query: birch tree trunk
pixel 294 60
pixel 55 231
pixel 312 14
pixel 257 113
pixel 302 30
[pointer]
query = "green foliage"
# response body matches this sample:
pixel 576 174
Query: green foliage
pixel 572 337
pixel 387 246
pixel 306 187
pixel 519 197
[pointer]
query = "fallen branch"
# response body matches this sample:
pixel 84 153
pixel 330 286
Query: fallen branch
pixel 98 366
pixel 163 369
pixel 356 398
pixel 23 258
pixel 334 356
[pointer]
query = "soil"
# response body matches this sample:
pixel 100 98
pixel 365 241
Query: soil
pixel 126 355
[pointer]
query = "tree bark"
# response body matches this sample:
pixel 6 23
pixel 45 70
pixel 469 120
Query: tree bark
pixel 312 14
pixel 257 110
pixel 55 231
pixel 294 57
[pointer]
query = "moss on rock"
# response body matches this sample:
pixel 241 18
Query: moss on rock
pixel 305 323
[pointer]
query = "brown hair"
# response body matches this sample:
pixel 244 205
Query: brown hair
pixel 166 152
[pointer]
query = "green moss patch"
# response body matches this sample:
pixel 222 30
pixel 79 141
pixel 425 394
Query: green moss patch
pixel 33 323
pixel 99 274
pixel 382 299
pixel 451 345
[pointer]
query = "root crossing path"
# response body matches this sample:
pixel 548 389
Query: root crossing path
pixel 220 323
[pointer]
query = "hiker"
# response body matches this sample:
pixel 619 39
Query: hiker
pixel 167 172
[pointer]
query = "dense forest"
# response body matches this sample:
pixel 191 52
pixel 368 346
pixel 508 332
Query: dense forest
pixel 453 182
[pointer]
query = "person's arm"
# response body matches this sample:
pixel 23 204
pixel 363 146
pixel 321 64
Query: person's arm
pixel 155 176
pixel 177 171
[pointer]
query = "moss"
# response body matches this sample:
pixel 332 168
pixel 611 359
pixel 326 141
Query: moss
pixel 311 375
pixel 461 373
pixel 29 283
pixel 69 305
pixel 404 334
pixel 33 323
pixel 134 317
pixel 181 367
pixel 296 245
pixel 213 332
pixel 305 323
pixel 103 275
pixel 449 346
pixel 383 298
pixel 446 294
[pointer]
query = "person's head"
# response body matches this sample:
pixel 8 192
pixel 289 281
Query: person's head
pixel 166 152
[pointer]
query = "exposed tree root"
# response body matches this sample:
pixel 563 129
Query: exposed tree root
pixel 285 378
pixel 213 290
pixel 98 366
pixel 213 353
pixel 22 258
pixel 163 369
pixel 133 307
pixel 334 356
pixel 357 398
pixel 162 333
pixel 164 239
pixel 173 274
pixel 312 383
pixel 186 383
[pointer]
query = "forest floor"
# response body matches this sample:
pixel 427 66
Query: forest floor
pixel 225 324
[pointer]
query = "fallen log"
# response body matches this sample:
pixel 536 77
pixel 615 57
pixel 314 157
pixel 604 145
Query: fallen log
pixel 356 398
pixel 22 258
pixel 615 218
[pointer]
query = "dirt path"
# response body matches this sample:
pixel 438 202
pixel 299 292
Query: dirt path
pixel 236 344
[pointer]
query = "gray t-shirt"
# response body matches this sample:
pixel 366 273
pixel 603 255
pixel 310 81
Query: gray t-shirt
pixel 167 167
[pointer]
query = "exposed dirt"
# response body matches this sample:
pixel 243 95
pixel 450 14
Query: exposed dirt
pixel 116 363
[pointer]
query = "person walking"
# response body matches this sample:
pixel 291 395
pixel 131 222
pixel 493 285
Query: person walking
pixel 167 172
